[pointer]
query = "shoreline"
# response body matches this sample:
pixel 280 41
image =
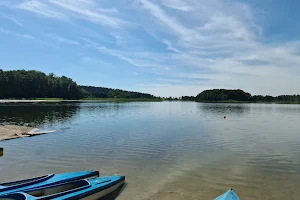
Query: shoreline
pixel 91 100
pixel 254 102
pixel 7 101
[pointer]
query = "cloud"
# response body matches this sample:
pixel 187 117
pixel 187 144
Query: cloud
pixel 12 19
pixel 93 60
pixel 68 9
pixel 42 9
pixel 137 59
pixel 170 46
pixel 177 4
pixel 192 44
pixel 164 18
pixel 8 32
pixel 134 73
pixel 138 62
pixel 88 10
pixel 223 45
pixel 64 40
pixel 173 90
pixel 29 37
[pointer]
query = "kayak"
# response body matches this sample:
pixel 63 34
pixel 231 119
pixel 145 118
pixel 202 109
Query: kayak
pixel 47 180
pixel 87 189
pixel 229 195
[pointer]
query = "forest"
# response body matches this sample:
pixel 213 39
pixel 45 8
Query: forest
pixel 18 84
pixel 35 84
pixel 223 95
pixel 102 92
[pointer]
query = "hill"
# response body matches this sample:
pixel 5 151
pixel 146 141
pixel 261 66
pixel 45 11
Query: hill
pixel 102 92
pixel 223 95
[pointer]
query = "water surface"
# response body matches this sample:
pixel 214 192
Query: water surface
pixel 167 150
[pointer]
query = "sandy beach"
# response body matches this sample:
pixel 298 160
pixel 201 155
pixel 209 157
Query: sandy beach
pixel 8 132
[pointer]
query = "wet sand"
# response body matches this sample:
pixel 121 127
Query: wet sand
pixel 211 184
pixel 208 183
pixel 8 132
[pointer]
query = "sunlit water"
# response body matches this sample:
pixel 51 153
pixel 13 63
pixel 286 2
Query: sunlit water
pixel 166 150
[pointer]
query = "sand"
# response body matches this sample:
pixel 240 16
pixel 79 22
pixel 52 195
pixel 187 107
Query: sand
pixel 8 132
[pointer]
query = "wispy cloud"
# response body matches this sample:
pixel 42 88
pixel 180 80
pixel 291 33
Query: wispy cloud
pixel 12 19
pixel 8 32
pixel 164 18
pixel 191 44
pixel 177 4
pixel 89 11
pixel 133 60
pixel 42 9
pixel 134 73
pixel 64 40
pixel 28 37
pixel 223 42
pixel 68 9
pixel 94 60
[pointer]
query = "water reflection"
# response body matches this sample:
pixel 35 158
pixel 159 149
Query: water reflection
pixel 221 108
pixel 173 148
pixel 37 114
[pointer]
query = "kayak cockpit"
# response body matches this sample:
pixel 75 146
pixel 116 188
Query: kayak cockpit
pixel 56 189
pixel 16 196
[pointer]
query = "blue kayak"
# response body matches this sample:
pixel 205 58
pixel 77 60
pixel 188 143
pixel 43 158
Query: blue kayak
pixel 229 195
pixel 88 189
pixel 47 180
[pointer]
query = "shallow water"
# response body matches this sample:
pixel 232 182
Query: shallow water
pixel 167 150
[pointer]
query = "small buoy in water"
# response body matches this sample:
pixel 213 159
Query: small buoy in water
pixel 224 116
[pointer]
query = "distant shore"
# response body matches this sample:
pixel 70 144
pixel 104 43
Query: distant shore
pixel 263 102
pixel 57 100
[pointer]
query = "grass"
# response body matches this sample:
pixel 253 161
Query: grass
pixel 50 99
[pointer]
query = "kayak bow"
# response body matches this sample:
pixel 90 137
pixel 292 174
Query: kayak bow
pixel 229 195
pixel 88 189
pixel 47 180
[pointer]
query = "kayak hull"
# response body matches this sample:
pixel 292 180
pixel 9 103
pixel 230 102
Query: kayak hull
pixel 89 189
pixel 229 195
pixel 47 180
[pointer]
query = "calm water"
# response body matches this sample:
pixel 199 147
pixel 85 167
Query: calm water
pixel 167 150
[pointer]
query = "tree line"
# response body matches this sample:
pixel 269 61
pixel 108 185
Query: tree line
pixel 35 84
pixel 102 92
pixel 216 95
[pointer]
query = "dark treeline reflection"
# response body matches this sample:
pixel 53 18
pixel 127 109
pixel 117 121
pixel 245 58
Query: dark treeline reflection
pixel 37 114
pixel 215 108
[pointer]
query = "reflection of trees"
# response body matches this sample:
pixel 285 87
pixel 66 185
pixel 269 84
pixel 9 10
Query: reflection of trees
pixel 36 114
pixel 223 108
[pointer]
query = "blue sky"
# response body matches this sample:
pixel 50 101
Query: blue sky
pixel 166 47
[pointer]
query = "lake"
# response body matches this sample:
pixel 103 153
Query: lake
pixel 166 150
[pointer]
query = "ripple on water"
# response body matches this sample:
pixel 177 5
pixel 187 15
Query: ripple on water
pixel 176 150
